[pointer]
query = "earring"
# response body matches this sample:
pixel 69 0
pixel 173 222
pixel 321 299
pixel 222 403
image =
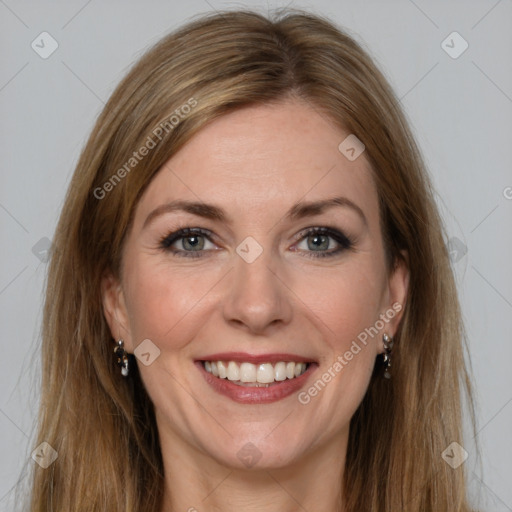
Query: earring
pixel 388 346
pixel 122 358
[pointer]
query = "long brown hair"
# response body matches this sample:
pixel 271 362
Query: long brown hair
pixel 103 426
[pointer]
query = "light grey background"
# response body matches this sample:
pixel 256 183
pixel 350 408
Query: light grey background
pixel 460 110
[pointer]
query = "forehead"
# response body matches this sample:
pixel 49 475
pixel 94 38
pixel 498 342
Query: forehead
pixel 259 160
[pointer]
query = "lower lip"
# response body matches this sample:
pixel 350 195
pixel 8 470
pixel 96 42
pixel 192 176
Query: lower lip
pixel 257 395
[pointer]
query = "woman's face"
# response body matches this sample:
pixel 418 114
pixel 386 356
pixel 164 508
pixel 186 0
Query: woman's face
pixel 255 290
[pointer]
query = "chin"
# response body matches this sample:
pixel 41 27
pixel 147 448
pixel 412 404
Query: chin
pixel 255 452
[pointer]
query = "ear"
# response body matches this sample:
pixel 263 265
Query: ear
pixel 398 287
pixel 114 309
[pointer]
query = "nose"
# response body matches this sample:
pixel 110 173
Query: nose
pixel 257 295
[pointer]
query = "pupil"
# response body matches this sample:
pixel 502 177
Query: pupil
pixel 194 243
pixel 317 238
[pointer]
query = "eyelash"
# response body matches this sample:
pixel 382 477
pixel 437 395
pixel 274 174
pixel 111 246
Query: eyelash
pixel 345 242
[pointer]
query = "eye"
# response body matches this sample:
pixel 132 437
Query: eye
pixel 191 240
pixel 318 241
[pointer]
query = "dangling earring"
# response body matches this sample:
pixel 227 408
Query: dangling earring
pixel 122 358
pixel 388 346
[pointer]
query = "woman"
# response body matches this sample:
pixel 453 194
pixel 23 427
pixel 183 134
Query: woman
pixel 248 242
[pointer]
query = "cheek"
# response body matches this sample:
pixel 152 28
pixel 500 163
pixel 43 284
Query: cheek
pixel 345 301
pixel 163 303
pixel 345 308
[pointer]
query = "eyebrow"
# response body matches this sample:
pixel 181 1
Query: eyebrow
pixel 299 210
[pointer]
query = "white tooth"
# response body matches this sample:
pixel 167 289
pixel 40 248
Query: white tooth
pixel 233 372
pixel 221 367
pixel 265 373
pixel 214 369
pixel 280 371
pixel 298 369
pixel 208 366
pixel 247 372
pixel 290 370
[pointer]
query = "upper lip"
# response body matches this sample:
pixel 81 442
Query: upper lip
pixel 243 357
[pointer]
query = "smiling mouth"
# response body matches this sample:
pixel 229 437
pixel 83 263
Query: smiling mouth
pixel 255 375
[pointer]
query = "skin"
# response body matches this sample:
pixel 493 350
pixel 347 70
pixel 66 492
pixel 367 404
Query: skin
pixel 256 163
